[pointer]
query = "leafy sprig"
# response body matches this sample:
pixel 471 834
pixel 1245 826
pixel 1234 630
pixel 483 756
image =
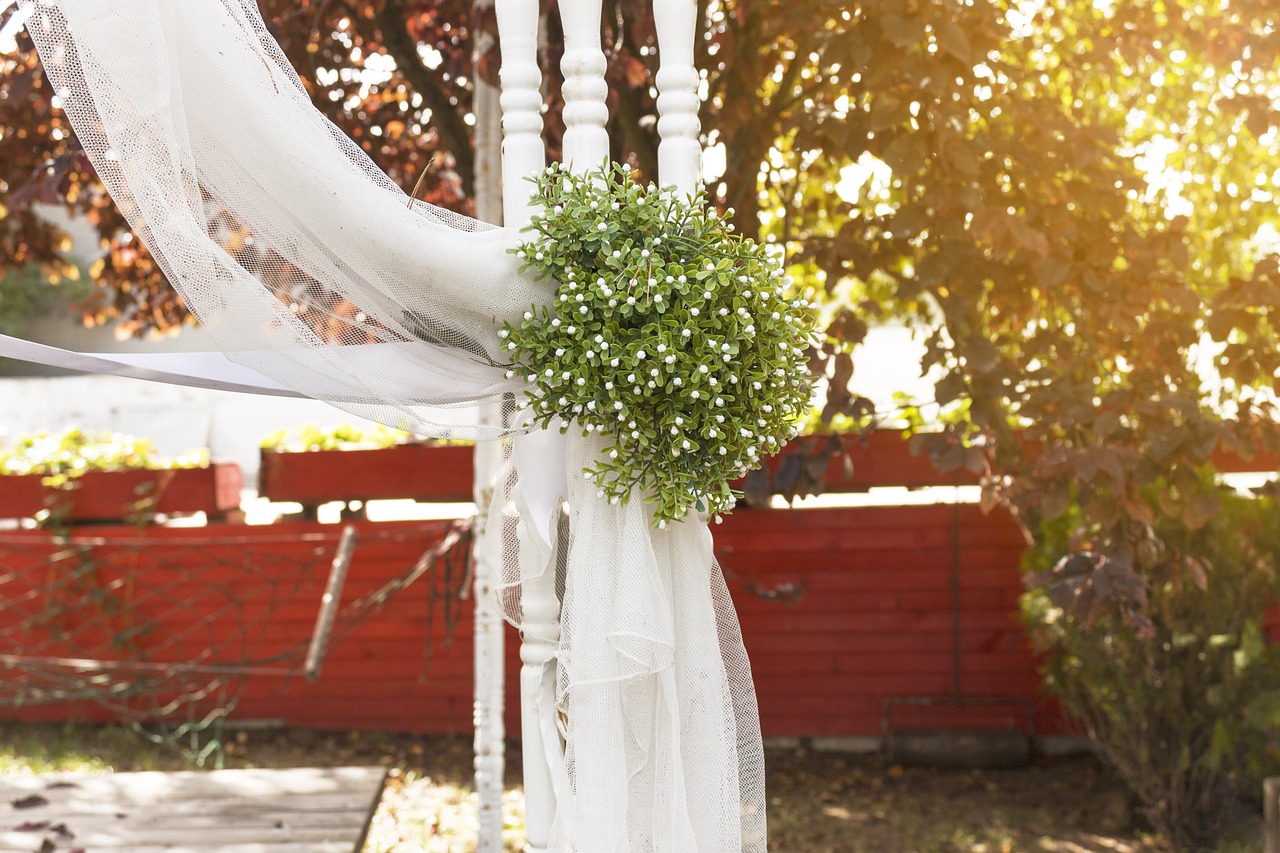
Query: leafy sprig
pixel 682 343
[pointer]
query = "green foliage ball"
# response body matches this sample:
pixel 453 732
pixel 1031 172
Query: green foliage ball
pixel 682 343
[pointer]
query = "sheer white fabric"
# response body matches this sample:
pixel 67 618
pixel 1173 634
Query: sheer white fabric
pixel 283 238
pixel 310 267
pixel 662 733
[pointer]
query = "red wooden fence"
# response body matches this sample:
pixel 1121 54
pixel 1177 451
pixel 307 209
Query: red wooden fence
pixel 857 620
pixel 866 617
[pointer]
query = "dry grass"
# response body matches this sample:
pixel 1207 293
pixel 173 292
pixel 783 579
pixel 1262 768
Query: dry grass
pixel 818 802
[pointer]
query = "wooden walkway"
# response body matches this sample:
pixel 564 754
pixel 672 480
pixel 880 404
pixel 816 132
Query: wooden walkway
pixel 298 810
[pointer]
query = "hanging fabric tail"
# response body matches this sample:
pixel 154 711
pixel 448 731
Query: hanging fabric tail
pixel 209 370
pixel 654 692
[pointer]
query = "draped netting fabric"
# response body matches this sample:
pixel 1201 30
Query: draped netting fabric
pixel 662 732
pixel 310 266
pixel 302 259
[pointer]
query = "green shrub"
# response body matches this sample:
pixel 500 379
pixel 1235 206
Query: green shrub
pixel 1184 700
pixel 30 292
pixel 65 455
pixel 309 437
pixel 683 344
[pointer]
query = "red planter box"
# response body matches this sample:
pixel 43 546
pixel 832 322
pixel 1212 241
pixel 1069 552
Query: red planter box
pixel 120 495
pixel 444 473
pixel 418 471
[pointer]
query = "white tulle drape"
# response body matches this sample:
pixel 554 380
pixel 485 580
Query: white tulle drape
pixel 309 266
pixel 662 734
pixel 304 261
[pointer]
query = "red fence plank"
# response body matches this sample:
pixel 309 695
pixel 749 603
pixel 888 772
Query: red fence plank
pixel 871 620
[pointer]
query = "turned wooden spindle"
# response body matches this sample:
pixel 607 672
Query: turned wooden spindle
pixel 680 151
pixel 522 149
pixel 586 142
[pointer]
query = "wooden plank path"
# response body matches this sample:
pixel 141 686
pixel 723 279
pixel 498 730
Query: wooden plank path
pixel 295 810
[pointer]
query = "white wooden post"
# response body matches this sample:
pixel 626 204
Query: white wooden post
pixel 489 653
pixel 680 150
pixel 488 113
pixel 586 142
pixel 523 155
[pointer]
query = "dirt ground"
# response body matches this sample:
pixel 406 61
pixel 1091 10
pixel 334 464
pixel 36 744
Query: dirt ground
pixel 819 802
pixel 824 803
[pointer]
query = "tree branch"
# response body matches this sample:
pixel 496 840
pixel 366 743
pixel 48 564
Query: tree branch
pixel 629 112
pixel 627 119
pixel 785 97
pixel 446 117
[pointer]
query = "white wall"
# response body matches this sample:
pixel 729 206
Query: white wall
pixel 177 419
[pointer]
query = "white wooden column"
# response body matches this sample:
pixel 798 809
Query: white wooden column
pixel 523 154
pixel 489 646
pixel 586 142
pixel 489 655
pixel 680 151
